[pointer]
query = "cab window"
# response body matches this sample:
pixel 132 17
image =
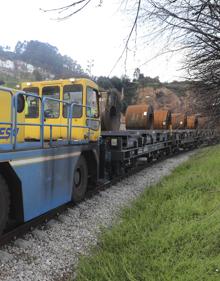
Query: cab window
pixel 32 103
pixel 51 108
pixel 92 103
pixel 73 94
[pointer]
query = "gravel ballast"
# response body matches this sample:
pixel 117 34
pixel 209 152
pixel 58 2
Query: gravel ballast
pixel 51 252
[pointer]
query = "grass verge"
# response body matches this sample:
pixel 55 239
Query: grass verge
pixel 172 232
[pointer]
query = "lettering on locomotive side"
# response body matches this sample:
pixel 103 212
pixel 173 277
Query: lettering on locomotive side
pixel 5 133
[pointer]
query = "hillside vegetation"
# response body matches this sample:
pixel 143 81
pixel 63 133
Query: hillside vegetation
pixel 172 232
pixel 35 61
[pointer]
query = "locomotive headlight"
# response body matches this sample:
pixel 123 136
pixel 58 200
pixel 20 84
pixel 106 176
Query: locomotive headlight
pixel 72 80
pixel 164 123
pixel 181 122
pixel 114 142
pixel 28 83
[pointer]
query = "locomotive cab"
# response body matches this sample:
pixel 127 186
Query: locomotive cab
pixel 77 99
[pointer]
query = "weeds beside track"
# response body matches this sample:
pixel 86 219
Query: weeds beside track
pixel 172 232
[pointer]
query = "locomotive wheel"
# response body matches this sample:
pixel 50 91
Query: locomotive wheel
pixel 4 204
pixel 80 180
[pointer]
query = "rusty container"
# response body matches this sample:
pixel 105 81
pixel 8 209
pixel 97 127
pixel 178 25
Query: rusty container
pixel 110 105
pixel 139 117
pixel 192 122
pixel 162 119
pixel 179 121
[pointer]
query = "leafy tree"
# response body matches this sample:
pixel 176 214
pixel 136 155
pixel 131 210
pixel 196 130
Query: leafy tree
pixel 104 82
pixel 117 83
pixel 37 75
pixel 20 47
pixel 47 57
pixel 41 55
pixel 123 84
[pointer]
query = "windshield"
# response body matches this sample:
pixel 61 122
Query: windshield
pixel 73 94
pixel 51 108
pixel 32 103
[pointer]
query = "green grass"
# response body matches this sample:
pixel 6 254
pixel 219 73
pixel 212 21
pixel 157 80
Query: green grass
pixel 172 232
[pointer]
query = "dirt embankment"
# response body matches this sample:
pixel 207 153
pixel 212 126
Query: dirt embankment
pixel 164 98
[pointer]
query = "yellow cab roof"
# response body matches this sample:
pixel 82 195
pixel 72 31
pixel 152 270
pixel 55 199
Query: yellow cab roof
pixel 60 82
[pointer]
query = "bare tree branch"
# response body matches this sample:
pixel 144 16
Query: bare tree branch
pixel 64 7
pixel 129 37
pixel 71 9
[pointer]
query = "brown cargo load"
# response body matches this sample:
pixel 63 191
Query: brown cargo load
pixel 179 121
pixel 162 119
pixel 110 110
pixel 139 117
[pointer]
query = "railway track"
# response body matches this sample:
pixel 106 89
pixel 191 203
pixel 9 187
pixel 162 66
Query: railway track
pixel 50 251
pixel 18 231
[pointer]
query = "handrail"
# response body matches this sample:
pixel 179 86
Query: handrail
pixel 14 123
pixel 71 118
pixel 44 99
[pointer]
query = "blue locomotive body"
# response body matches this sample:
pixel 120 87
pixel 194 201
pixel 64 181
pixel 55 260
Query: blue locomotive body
pixel 45 176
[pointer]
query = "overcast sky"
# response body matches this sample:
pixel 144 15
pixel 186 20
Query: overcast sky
pixel 95 34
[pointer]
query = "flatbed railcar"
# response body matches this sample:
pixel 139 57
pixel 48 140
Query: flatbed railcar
pixel 39 172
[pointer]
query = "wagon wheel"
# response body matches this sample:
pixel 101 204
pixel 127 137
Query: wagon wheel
pixel 80 180
pixel 4 204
